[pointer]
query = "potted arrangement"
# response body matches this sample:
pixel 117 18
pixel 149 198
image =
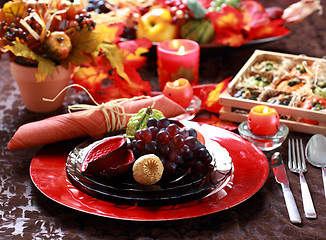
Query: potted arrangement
pixel 50 43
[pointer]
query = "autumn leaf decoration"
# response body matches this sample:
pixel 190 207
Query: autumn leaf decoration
pixel 113 73
pixel 235 27
pixel 103 65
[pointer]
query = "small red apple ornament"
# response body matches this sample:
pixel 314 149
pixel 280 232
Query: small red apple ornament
pixel 263 120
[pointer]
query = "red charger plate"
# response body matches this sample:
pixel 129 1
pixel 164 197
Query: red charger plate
pixel 251 170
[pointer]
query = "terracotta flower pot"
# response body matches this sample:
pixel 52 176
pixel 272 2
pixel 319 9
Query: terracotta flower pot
pixel 33 92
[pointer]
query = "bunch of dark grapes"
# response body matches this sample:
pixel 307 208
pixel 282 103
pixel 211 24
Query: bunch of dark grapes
pixel 178 148
pixel 178 9
pixel 99 6
pixel 12 31
pixel 84 20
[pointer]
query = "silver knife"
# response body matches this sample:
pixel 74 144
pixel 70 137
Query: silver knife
pixel 281 178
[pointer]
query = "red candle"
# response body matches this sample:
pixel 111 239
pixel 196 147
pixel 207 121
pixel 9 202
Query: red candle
pixel 263 120
pixel 179 91
pixel 177 58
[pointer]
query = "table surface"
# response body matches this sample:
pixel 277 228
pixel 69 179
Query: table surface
pixel 27 214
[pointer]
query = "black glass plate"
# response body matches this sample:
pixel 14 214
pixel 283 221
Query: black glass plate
pixel 185 187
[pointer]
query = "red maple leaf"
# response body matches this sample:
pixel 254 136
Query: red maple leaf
pixel 133 51
pixel 270 29
pixel 258 24
pixel 228 25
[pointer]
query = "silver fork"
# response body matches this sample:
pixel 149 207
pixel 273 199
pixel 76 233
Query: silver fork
pixel 297 164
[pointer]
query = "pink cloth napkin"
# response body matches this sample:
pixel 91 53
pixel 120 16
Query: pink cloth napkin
pixel 69 126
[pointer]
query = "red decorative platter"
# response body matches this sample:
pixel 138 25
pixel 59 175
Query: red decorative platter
pixel 251 169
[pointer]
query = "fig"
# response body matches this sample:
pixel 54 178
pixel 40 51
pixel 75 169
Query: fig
pixel 148 169
pixel 58 45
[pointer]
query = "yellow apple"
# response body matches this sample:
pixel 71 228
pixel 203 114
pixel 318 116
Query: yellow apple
pixel 156 25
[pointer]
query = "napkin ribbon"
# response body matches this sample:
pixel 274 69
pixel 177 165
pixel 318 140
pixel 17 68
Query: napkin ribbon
pixel 114 107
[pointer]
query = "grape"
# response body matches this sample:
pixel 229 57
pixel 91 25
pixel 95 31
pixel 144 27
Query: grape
pixel 163 123
pixel 151 147
pixel 162 137
pixel 151 122
pixel 202 154
pixel 170 167
pixel 137 135
pixel 207 160
pixel 173 129
pixel 185 150
pixel 191 142
pixel 184 132
pixel 99 6
pixel 186 153
pixel 192 132
pixel 178 9
pixel 178 140
pixel 174 156
pixel 145 135
pixel 154 131
pixel 91 7
pixel 194 164
pixel 137 152
pixel 140 145
pixel 199 145
pixel 164 149
pixel 233 3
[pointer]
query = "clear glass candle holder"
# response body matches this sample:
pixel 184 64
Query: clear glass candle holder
pixel 264 142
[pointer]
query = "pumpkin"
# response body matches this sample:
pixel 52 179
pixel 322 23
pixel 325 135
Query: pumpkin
pixel 199 30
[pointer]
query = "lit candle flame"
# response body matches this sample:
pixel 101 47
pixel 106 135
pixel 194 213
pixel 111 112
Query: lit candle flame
pixel 181 50
pixel 265 110
pixel 176 83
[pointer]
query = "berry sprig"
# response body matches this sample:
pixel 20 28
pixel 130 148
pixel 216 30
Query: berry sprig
pixel 12 32
pixel 84 20
pixel 178 9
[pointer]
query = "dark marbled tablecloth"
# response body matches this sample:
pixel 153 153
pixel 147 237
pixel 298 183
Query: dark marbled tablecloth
pixel 27 214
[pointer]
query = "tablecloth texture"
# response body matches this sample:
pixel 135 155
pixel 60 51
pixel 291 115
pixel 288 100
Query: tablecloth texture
pixel 27 214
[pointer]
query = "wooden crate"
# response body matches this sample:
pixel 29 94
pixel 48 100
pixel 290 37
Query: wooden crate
pixel 236 110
